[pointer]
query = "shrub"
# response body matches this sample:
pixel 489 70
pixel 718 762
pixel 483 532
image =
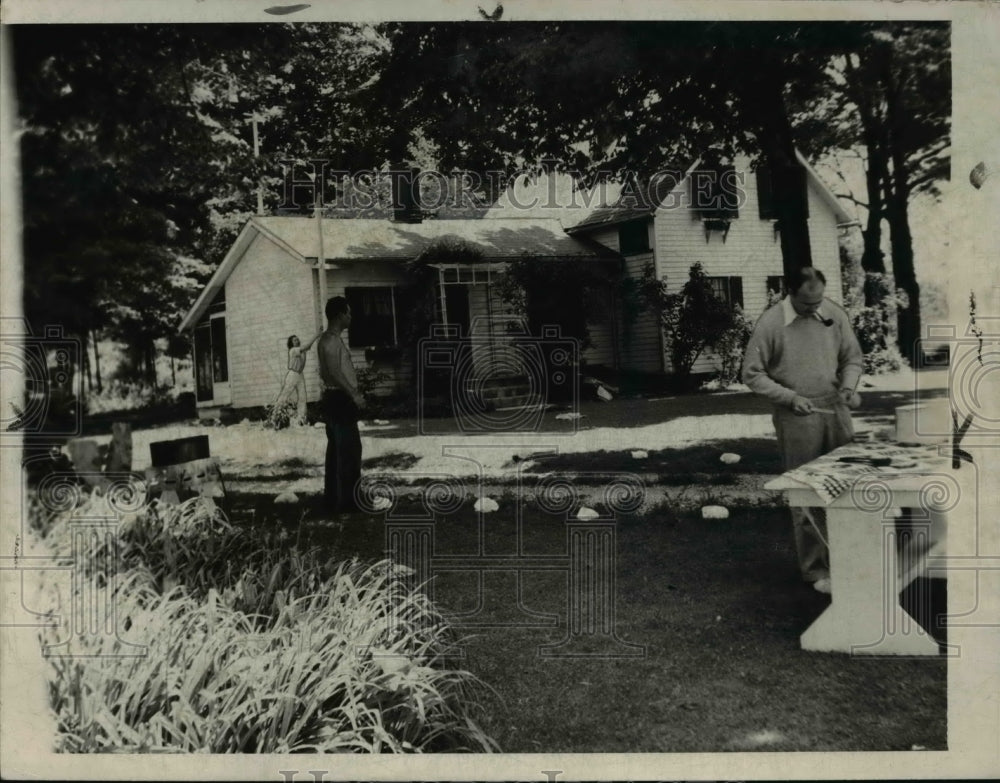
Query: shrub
pixel 731 346
pixel 693 319
pixel 278 416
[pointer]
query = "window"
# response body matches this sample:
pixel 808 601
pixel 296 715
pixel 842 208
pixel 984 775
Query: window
pixel 220 367
pixel 728 289
pixel 776 285
pixel 715 192
pixel 633 237
pixel 373 316
pixel 773 184
pixel 218 304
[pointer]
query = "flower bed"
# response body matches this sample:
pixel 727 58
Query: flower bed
pixel 251 645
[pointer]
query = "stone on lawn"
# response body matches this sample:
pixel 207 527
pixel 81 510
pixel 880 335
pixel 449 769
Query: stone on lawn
pixel 287 497
pixel 586 513
pixel 714 512
pixel 729 458
pixel 486 505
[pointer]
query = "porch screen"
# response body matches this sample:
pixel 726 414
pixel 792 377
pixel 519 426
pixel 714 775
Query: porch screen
pixel 373 320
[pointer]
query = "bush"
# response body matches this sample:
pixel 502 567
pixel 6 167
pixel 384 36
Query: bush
pixel 880 361
pixel 693 319
pixel 731 346
pixel 251 646
pixel 280 416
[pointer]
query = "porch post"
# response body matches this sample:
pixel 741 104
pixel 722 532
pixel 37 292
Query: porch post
pixel 444 306
pixel 320 267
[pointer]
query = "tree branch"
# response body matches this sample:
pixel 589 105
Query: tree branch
pixel 850 197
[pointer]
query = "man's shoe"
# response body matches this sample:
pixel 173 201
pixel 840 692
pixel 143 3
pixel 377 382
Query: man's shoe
pixel 822 585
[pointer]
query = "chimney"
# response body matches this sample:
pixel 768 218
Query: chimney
pixel 405 195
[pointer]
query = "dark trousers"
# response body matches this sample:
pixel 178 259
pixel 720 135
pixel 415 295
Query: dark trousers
pixel 343 451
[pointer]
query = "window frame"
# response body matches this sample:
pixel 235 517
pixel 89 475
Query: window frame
pixel 731 289
pixel 350 292
pixel 633 225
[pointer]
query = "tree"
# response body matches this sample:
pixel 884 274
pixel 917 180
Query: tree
pixel 600 99
pixel 138 156
pixel 889 98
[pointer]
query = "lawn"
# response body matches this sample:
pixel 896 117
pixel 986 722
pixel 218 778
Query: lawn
pixel 716 605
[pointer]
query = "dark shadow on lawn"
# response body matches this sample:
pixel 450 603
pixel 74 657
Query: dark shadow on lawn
pixel 698 465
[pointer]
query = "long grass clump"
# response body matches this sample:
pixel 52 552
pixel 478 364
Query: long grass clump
pixel 228 642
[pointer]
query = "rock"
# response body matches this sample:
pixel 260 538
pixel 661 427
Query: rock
pixel 729 458
pixel 287 497
pixel 604 394
pixel 486 505
pixel 640 454
pixel 714 512
pixel 586 513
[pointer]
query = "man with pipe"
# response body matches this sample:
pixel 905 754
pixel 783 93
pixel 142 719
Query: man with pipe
pixel 803 356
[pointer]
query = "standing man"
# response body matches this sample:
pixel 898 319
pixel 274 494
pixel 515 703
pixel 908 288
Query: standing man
pixel 342 404
pixel 803 357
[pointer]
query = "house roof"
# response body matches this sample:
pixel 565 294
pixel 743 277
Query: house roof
pixel 628 207
pixel 369 239
pixel 361 239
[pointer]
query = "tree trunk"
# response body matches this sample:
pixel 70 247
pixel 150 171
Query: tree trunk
pixel 85 360
pixel 907 318
pixel 778 146
pixel 897 192
pixel 150 353
pixel 97 362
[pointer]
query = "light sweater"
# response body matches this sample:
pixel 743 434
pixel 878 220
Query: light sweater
pixel 793 355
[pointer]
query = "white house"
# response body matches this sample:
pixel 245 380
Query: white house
pixel 269 287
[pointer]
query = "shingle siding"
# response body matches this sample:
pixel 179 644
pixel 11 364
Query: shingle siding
pixel 638 331
pixel 268 298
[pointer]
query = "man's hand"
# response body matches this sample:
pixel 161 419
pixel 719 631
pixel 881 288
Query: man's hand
pixel 801 406
pixel 850 398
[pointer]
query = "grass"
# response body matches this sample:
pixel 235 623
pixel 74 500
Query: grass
pixel 718 606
